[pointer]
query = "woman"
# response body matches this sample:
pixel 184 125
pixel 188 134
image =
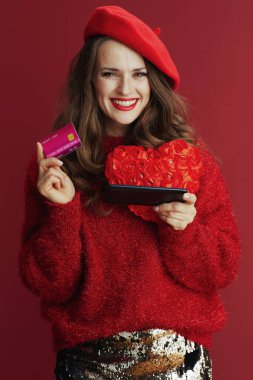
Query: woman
pixel 127 298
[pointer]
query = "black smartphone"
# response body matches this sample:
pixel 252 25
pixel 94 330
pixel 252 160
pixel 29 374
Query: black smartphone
pixel 142 195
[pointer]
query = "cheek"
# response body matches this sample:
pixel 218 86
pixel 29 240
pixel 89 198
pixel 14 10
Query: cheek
pixel 147 96
pixel 103 88
pixel 146 91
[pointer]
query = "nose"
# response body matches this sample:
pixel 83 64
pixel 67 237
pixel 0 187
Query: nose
pixel 125 86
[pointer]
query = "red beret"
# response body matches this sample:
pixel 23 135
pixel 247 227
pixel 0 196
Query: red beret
pixel 123 26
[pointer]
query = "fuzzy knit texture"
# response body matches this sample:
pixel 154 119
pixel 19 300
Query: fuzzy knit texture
pixel 97 276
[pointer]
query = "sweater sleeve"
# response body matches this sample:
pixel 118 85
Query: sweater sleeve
pixel 204 256
pixel 50 262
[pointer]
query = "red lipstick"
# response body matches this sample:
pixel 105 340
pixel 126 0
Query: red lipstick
pixel 122 107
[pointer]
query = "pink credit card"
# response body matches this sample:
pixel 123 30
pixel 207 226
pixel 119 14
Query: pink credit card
pixel 61 142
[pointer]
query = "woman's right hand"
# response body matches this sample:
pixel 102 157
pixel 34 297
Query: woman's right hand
pixel 52 182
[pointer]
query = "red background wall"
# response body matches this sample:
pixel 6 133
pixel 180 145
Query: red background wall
pixel 211 43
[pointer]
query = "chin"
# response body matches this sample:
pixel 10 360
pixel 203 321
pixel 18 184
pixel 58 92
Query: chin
pixel 126 120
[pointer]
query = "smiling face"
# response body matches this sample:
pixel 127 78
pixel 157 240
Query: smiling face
pixel 122 86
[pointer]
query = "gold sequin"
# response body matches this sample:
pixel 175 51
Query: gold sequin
pixel 156 364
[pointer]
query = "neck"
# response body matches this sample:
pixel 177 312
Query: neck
pixel 114 129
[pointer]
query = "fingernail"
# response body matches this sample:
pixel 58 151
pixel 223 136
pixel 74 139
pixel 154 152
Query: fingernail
pixel 156 208
pixel 186 196
pixel 60 162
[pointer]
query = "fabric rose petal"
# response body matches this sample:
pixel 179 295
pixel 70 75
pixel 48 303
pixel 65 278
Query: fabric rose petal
pixel 174 164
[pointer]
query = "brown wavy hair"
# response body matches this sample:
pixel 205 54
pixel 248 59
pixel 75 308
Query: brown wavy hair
pixel 165 118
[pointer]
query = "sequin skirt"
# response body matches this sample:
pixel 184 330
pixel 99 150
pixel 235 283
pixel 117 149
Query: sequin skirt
pixel 147 354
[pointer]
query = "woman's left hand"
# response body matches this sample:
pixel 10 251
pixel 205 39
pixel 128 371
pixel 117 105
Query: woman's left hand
pixel 177 214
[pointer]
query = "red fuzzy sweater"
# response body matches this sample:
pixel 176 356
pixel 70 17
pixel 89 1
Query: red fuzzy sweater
pixel 97 276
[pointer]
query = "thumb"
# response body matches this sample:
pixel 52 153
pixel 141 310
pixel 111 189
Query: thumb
pixel 189 198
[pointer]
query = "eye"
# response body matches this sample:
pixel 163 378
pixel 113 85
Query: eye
pixel 141 74
pixel 108 74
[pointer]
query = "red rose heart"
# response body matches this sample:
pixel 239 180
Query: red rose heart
pixel 173 164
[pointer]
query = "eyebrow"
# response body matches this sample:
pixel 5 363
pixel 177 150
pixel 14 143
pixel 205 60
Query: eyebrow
pixel 113 69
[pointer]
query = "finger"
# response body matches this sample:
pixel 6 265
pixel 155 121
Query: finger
pixel 190 198
pixel 172 207
pixel 175 224
pixel 48 182
pixel 40 153
pixel 46 163
pixel 58 185
pixel 57 172
pixel 178 216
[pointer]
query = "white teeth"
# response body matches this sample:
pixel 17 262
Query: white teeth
pixel 124 103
